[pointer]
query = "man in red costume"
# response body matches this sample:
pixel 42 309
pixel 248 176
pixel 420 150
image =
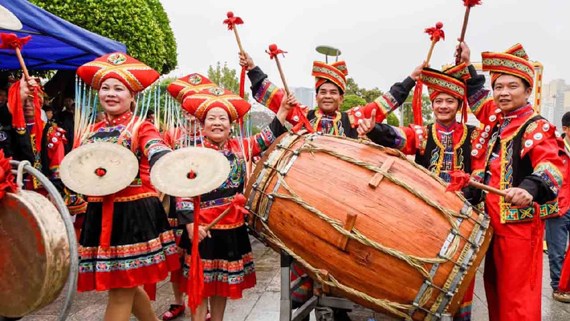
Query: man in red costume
pixel 522 156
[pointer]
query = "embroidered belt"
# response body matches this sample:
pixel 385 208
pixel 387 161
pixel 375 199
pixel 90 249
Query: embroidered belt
pixel 216 202
pixel 523 214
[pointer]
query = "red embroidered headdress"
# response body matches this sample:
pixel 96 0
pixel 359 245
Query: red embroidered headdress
pixel 132 73
pixel 335 73
pixel 197 95
pixel 514 62
pixel 450 81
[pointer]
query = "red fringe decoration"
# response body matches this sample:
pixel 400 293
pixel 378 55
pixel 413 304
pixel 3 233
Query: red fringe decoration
pixel 472 3
pixel 232 21
pixel 7 183
pixel 564 284
pixel 459 180
pixel 242 82
pixel 196 277
pixel 11 41
pixel 417 103
pixel 436 33
pixel 274 51
pixel 16 108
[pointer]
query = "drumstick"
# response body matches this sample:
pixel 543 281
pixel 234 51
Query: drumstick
pixel 217 219
pixel 487 188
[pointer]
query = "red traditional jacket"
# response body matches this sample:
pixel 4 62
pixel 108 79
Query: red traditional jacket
pixel 517 149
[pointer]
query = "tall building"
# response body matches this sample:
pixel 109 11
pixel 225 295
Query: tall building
pixel 304 95
pixel 556 95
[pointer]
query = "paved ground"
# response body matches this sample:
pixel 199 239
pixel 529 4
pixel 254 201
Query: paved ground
pixel 262 302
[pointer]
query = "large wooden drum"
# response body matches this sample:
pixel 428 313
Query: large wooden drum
pixel 368 224
pixel 34 253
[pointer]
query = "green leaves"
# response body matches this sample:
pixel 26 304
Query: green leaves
pixel 142 25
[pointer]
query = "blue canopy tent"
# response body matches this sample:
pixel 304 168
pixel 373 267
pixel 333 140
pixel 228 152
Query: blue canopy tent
pixel 56 44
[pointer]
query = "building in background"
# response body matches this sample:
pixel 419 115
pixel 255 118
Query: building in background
pixel 304 95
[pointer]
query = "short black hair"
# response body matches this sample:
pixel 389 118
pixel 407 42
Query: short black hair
pixel 329 82
pixel 566 119
pixel 150 112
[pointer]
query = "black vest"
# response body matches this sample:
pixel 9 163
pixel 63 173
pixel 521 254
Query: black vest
pixel 425 159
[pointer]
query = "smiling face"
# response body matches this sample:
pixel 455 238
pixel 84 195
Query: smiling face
pixel 329 98
pixel 115 97
pixel 510 93
pixel 445 108
pixel 216 125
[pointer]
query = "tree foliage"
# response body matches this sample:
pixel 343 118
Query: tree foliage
pixel 142 25
pixel 225 77
pixel 408 115
pixel 352 89
pixel 352 100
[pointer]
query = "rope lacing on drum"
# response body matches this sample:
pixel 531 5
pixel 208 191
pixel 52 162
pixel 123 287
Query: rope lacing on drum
pixel 328 279
pixel 414 261
pixel 448 214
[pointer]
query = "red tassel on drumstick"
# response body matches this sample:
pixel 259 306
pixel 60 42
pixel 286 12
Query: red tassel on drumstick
pixel 11 41
pixel 435 35
pixel 232 21
pixel 460 179
pixel 468 5
pixel 296 112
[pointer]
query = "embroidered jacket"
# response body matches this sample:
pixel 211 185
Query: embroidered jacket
pixel 212 204
pixel 146 144
pixel 342 123
pixel 517 149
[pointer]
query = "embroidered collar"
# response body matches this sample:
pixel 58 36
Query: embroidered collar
pixel 118 120
pixel 441 128
pixel 519 112
pixel 209 144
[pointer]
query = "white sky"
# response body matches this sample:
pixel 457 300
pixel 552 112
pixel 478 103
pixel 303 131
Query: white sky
pixel 381 41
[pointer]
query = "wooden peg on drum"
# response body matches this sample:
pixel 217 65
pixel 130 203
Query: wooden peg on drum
pixel 377 178
pixel 348 226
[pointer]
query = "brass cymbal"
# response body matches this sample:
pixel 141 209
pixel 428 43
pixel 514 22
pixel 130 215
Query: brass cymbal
pixel 99 169
pixel 190 171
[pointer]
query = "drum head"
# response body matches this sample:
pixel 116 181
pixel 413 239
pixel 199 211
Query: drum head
pixel 8 20
pixel 190 171
pixel 34 253
pixel 99 169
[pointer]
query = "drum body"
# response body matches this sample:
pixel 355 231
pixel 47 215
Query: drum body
pixel 368 224
pixel 34 253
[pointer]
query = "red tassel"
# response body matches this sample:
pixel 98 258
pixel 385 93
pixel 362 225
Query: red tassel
pixel 232 20
pixel 472 3
pixel 7 182
pixel 564 284
pixel 16 108
pixel 242 82
pixel 150 290
pixel 11 41
pixel 436 33
pixel 196 277
pixel 459 180
pixel 417 103
pixel 274 51
pixel 296 112
pixel 107 221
